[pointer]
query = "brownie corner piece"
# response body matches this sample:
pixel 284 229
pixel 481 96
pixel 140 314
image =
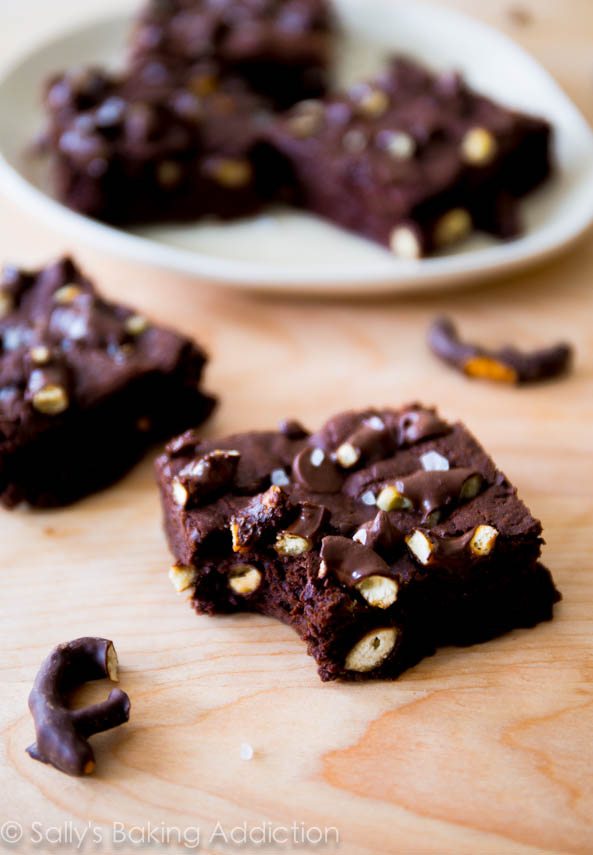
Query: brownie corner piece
pixel 414 160
pixel 86 386
pixel 381 537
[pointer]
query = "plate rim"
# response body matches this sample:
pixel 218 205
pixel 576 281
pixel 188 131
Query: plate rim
pixel 453 271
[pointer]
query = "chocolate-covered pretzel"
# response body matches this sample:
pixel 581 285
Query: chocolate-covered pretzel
pixel 505 365
pixel 62 733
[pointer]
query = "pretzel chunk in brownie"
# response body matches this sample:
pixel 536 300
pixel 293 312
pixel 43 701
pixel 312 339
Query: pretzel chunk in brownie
pixel 86 386
pixel 379 538
pixel 414 160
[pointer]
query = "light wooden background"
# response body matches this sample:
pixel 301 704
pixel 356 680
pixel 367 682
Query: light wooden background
pixel 485 750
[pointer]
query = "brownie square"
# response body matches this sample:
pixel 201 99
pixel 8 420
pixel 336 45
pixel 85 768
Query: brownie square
pixel 161 144
pixel 279 47
pixel 380 538
pixel 86 386
pixel 413 160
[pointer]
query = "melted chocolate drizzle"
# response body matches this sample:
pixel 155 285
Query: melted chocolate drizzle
pixel 381 535
pixel 432 490
pixel 292 429
pixel 316 471
pixel 373 442
pixel 450 552
pixel 350 561
pixel 206 476
pixel 417 424
pixel 310 521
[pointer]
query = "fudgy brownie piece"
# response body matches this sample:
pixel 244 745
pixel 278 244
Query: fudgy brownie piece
pixel 86 386
pixel 156 145
pixel 414 160
pixel 279 47
pixel 379 538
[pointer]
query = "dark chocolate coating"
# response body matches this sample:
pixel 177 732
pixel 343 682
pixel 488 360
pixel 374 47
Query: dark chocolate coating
pixel 322 477
pixel 208 475
pixel 62 734
pixel 187 131
pixel 350 561
pixel 432 491
pixel 309 521
pixel 381 534
pixel 117 384
pixel 507 363
pixel 451 552
pixel 464 599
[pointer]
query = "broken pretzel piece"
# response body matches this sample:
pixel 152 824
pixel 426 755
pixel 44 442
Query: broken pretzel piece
pixel 62 733
pixel 506 365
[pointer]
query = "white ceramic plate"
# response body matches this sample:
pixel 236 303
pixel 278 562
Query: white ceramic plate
pixel 289 251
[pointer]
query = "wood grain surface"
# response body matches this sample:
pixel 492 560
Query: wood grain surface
pixel 482 750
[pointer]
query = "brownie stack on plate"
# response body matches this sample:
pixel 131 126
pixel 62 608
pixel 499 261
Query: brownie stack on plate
pixel 194 126
pixel 179 134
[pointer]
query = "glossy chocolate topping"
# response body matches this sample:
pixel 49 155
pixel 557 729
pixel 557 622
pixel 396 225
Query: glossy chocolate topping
pixel 313 497
pixel 418 423
pixel 310 521
pixel 450 551
pixel 381 534
pixel 350 561
pixel 314 469
pixel 293 429
pixel 432 490
pixel 207 475
pixel 372 440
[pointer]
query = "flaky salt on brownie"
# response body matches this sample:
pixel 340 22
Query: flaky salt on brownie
pixel 414 160
pixel 381 537
pixel 281 48
pixel 86 386
pixel 161 144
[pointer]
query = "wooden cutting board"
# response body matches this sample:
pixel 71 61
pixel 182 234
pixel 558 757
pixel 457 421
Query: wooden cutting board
pixel 482 750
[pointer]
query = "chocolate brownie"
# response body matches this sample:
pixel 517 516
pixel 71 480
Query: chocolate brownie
pixel 414 160
pixel 279 47
pixel 156 145
pixel 86 386
pixel 379 538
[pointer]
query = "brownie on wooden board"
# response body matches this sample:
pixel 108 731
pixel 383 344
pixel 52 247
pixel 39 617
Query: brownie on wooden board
pixel 157 145
pixel 279 47
pixel 86 386
pixel 381 537
pixel 413 160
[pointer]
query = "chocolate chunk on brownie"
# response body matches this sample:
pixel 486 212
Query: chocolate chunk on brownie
pixel 414 160
pixel 86 386
pixel 380 538
pixel 279 47
pixel 157 145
